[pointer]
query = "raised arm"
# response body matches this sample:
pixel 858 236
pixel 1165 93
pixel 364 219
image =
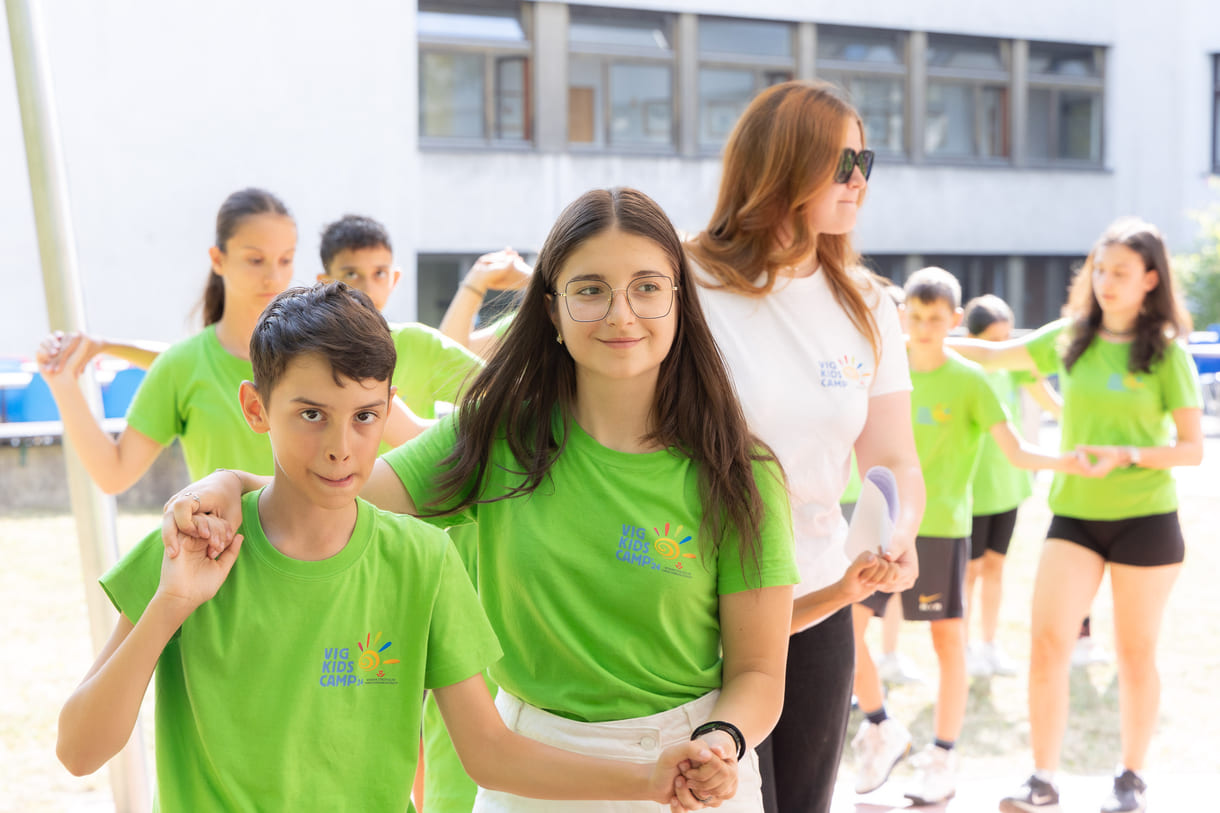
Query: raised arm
pixel 500 271
pixel 1007 355
pixel 98 718
pixel 114 464
pixel 58 347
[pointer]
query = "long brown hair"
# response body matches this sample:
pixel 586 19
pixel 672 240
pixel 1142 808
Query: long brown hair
pixel 233 212
pixel 531 376
pixel 1161 319
pixel 780 156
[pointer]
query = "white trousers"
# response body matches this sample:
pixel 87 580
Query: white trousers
pixel 639 740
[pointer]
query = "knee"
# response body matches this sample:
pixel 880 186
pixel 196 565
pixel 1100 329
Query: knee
pixel 1136 660
pixel 1050 645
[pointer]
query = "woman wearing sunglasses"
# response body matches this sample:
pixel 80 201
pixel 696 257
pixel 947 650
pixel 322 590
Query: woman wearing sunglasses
pixel 816 352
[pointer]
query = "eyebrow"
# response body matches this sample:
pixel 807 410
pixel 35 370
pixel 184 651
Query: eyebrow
pixel 306 402
pixel 602 278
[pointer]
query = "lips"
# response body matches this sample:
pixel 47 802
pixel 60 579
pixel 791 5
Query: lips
pixel 619 344
pixel 341 482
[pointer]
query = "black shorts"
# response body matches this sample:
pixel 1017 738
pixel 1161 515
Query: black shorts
pixel 939 591
pixel 992 532
pixel 1147 541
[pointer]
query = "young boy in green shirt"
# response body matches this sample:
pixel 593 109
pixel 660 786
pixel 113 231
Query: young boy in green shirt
pixel 952 409
pixel 294 674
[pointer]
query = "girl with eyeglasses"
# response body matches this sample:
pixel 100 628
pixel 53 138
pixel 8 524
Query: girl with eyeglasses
pixel 634 538
pixel 1125 379
pixel 817 356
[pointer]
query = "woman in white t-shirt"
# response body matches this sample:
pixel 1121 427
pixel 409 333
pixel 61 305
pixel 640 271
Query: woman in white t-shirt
pixel 817 356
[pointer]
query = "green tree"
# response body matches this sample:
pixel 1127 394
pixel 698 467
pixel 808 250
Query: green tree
pixel 1199 271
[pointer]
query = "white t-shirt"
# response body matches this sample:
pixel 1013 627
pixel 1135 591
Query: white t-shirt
pixel 805 374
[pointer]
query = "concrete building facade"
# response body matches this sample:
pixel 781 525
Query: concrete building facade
pixel 1008 136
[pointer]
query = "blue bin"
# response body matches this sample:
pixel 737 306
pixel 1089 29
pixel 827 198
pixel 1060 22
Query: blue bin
pixel 117 395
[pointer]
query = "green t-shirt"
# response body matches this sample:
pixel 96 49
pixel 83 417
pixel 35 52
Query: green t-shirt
pixel 190 393
pixel 1104 404
pixel 299 682
pixel 952 408
pixel 431 367
pixel 597 583
pixel 851 491
pixel 998 485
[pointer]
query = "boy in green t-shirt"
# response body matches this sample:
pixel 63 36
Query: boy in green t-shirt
pixel 952 409
pixel 293 673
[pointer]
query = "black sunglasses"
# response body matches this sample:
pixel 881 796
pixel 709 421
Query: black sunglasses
pixel 849 160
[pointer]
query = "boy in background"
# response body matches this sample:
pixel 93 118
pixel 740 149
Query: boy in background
pixel 952 409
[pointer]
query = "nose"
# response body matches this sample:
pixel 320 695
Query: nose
pixel 857 179
pixel 620 309
pixel 338 445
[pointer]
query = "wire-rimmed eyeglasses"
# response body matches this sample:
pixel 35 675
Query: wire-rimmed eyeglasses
pixel 590 300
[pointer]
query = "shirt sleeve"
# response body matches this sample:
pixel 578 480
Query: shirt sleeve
pixel 453 367
pixel 776 546
pixel 418 463
pixel 989 409
pixel 893 371
pixel 133 580
pixel 154 408
pixel 1179 379
pixel 1043 347
pixel 461 642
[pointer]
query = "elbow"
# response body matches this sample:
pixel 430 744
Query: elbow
pixel 72 758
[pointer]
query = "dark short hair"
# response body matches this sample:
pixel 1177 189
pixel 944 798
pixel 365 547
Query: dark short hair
pixel 330 319
pixel 984 311
pixel 933 284
pixel 352 233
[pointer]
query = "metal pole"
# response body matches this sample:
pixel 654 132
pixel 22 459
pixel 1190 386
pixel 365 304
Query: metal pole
pixel 94 512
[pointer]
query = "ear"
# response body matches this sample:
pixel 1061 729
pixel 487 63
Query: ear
pixel 552 311
pixel 253 408
pixel 902 317
pixel 395 276
pixel 957 318
pixel 325 277
pixel 215 255
pixel 1152 278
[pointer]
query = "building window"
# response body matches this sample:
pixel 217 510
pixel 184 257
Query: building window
pixel 891 266
pixel 621 79
pixel 870 64
pixel 1216 113
pixel 1046 288
pixel 737 59
pixel 1065 96
pixel 437 279
pixel 968 98
pixel 474 72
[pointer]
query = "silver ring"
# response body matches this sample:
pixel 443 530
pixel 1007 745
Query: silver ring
pixel 193 496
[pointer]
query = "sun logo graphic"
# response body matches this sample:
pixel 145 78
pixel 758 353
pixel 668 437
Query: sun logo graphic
pixel 854 371
pixel 370 658
pixel 667 548
pixel 1121 382
pixel 930 416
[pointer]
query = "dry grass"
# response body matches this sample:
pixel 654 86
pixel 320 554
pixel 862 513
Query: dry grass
pixel 44 651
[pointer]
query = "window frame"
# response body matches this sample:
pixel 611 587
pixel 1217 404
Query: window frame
pixel 759 67
pixel 978 79
pixel 492 52
pixel 1215 162
pixel 607 55
pixel 1057 84
pixel 833 70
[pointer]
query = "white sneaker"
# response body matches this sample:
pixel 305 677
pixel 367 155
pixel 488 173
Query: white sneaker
pixel 1087 652
pixel 936 777
pixel 877 749
pixel 998 660
pixel 897 669
pixel 977 662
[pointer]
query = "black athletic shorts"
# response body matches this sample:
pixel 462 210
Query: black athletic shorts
pixel 992 532
pixel 939 591
pixel 1147 541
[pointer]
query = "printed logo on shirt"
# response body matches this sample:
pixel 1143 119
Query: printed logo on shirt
pixel 664 551
pixel 338 668
pixel 843 373
pixel 1124 382
pixel 931 604
pixel 930 416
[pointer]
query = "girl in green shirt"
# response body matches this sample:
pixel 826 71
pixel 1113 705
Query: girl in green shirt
pixel 1125 379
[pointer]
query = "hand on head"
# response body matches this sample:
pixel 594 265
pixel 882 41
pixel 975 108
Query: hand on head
pixel 500 271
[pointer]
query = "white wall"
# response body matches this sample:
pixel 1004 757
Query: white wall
pixel 165 111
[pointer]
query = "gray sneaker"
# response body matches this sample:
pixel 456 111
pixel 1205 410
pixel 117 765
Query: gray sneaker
pixel 1127 794
pixel 1035 796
